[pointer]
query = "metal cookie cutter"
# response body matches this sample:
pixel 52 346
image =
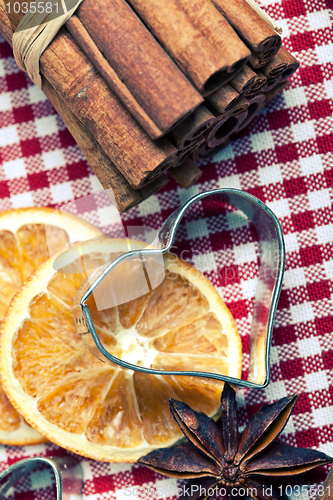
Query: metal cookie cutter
pixel 271 267
pixel 67 472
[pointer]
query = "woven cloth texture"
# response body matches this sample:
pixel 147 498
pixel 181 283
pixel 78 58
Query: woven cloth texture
pixel 285 158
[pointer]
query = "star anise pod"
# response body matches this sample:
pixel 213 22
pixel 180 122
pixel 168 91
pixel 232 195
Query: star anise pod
pixel 223 459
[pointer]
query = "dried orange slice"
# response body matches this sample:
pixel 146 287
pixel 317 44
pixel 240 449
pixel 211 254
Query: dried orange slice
pixel 23 247
pixel 106 412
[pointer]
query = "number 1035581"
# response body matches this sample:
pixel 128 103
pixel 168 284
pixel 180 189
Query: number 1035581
pixel 34 7
pixel 312 491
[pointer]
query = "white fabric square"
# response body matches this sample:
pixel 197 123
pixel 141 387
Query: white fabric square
pixel 274 355
pixel 316 382
pixel 150 206
pixel 185 194
pixel 328 85
pixel 275 390
pixel 36 95
pixel 303 131
pixel 225 154
pixel 53 159
pixel 232 181
pixel 311 165
pixel 249 288
pixel 95 184
pixel 41 479
pixel 324 53
pixel 319 19
pixel 166 488
pixel 262 141
pixel 46 125
pixel 14 168
pixel 197 229
pixel 291 242
pixel 319 199
pixel 302 313
pixel 327 447
pixel 328 266
pixel 5 101
pixel 270 175
pixel 8 136
pixel 324 234
pixel 86 471
pixel 109 216
pixel 283 23
pixel 293 278
pixel 2 68
pixel 289 428
pixel 295 97
pixel 236 220
pixel 280 207
pixel 22 200
pixel 62 192
pixel 245 253
pixel 205 262
pixel 309 347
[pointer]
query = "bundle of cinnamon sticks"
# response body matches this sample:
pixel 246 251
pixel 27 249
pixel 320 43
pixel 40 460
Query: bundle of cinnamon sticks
pixel 146 86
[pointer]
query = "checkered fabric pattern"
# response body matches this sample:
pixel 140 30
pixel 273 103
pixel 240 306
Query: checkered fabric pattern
pixel 285 158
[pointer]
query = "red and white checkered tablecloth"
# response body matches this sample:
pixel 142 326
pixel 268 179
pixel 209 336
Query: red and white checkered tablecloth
pixel 285 158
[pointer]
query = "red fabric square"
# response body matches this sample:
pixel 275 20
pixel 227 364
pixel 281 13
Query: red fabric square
pixel 325 143
pixel 329 177
pixel 284 335
pixel 310 75
pixel 307 438
pixel 38 181
pixel 78 171
pixel 294 187
pixel 319 109
pixel 30 147
pixel 291 369
pixel 311 255
pixel 4 189
pixel 66 138
pixel 319 290
pixel 221 240
pixel 279 119
pixel 303 404
pixel 325 324
pixel 5 50
pixel 292 9
pixel 287 152
pixel 303 221
pixel 245 163
pixel 23 114
pixel 239 309
pixel 16 81
pixel 283 300
pixel 302 41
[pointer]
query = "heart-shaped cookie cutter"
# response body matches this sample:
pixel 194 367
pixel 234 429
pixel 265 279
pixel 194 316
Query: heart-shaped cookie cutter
pixel 271 268
pixel 67 472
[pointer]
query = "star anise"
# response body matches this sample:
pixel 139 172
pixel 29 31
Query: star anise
pixel 223 459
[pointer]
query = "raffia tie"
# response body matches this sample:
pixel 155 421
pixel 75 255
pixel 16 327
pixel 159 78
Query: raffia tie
pixel 29 42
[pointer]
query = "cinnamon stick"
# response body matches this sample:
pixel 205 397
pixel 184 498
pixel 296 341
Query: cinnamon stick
pixel 250 26
pixel 184 42
pixel 83 90
pixel 244 80
pixel 225 128
pixel 184 153
pixel 271 94
pixel 192 128
pixel 125 196
pixel 292 64
pixel 220 34
pixel 205 151
pixel 271 83
pixel 255 104
pixel 138 61
pixel 187 174
pixel 257 84
pixel 223 99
